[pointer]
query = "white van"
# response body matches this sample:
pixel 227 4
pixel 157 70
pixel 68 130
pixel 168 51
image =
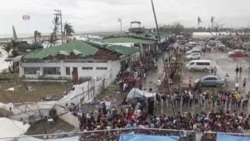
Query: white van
pixel 199 65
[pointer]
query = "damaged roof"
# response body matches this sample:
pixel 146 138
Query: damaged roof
pixel 78 48
pixel 123 50
pixel 129 40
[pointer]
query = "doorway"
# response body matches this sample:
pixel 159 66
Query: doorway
pixel 75 75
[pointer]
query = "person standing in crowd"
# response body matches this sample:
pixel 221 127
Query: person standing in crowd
pixel 120 83
pixel 190 83
pixel 144 75
pixel 226 79
pixel 240 71
pixel 191 97
pixel 237 71
pixel 125 86
pixel 151 106
pixel 244 83
pixel 212 70
pixel 237 86
pixel 215 70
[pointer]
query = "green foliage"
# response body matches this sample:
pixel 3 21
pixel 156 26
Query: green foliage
pixel 68 29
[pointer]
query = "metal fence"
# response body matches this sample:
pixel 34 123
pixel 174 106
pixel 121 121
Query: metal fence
pixel 114 134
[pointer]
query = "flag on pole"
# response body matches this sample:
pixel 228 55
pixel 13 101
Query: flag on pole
pixel 119 20
pixel 199 20
pixel 212 19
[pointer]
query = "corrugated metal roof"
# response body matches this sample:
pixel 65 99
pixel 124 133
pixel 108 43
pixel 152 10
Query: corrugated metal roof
pixel 77 47
pixel 123 50
pixel 128 40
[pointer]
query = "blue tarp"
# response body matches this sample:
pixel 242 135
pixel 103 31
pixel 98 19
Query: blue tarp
pixel 223 137
pixel 140 137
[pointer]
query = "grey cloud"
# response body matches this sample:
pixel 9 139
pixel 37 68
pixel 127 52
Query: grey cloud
pixel 94 15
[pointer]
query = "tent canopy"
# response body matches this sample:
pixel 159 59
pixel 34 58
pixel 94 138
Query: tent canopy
pixel 137 93
pixel 138 137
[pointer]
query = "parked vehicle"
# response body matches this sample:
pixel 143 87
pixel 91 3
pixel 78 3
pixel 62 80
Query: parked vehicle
pixel 237 53
pixel 193 51
pixel 246 46
pixel 199 65
pixel 191 44
pixel 193 56
pixel 184 48
pixel 197 48
pixel 173 46
pixel 210 81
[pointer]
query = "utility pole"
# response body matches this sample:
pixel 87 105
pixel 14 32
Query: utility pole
pixel 156 23
pixel 59 13
pixel 165 68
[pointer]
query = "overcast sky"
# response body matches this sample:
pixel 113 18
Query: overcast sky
pixel 102 15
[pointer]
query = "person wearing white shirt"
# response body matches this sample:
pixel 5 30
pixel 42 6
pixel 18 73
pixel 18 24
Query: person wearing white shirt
pixel 237 86
pixel 124 86
pixel 158 82
pixel 191 97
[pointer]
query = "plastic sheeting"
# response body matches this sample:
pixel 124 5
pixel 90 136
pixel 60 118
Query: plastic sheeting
pixel 138 137
pixel 137 93
pixel 223 137
pixel 11 128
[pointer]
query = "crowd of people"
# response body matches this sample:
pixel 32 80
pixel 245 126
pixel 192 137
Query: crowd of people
pixel 222 106
pixel 131 76
pixel 207 99
pixel 141 115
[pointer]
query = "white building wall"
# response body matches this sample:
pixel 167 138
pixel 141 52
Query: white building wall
pixel 113 68
pixel 116 67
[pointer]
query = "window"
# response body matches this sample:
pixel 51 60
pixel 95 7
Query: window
pixel 203 63
pixel 51 71
pixel 87 68
pixel 208 78
pixel 67 70
pixel 192 63
pixel 31 70
pixel 211 78
pixel 101 68
pixel 101 61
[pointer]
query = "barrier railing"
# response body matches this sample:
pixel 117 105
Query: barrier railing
pixel 114 134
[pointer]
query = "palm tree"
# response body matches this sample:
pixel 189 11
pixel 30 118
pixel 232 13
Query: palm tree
pixel 13 48
pixel 37 34
pixel 53 35
pixel 68 30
